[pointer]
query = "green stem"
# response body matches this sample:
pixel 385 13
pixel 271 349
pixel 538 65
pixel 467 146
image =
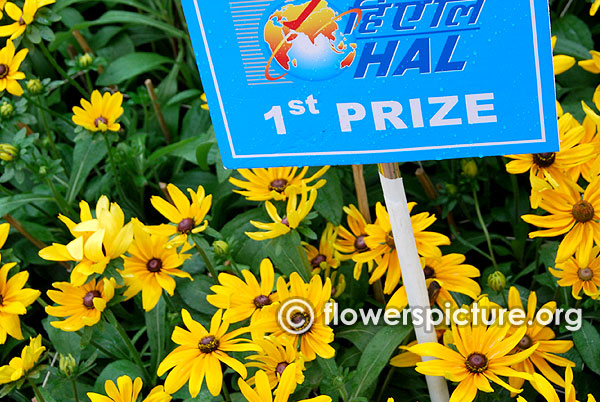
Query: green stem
pixel 469 244
pixel 88 81
pixel 36 391
pixel 48 133
pixel 305 262
pixel 60 200
pixel 207 262
pixel 74 386
pixel 236 269
pixel 484 228
pixel 60 70
pixel 226 392
pixel 44 108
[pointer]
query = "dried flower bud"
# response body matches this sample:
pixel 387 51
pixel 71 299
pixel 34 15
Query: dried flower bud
pixel 497 281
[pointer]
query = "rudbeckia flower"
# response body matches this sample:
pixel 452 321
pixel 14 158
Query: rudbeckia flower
pixel 581 272
pixel 9 68
pixel 246 298
pixel 128 391
pixel 14 300
pixel 594 7
pixel 101 114
pixel 275 357
pixel 561 62
pixel 23 18
pixel 262 390
pixel 275 183
pixel 150 266
pixel 296 211
pixel 201 353
pixel 82 305
pixel 187 218
pixel 20 366
pixel 571 214
pixel 540 335
pixel 350 243
pixel 324 257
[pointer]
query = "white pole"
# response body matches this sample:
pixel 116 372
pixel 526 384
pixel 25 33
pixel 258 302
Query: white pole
pixel 412 272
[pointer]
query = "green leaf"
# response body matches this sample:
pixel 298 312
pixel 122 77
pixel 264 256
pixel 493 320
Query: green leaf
pixel 9 204
pixel 185 149
pixel 129 66
pixel 158 332
pixel 86 154
pixel 359 334
pixel 115 370
pixel 330 200
pixel 194 293
pixel 184 96
pixel 587 342
pixel 288 255
pixel 128 17
pixel 202 155
pixel 573 37
pixel 376 357
pixel 63 342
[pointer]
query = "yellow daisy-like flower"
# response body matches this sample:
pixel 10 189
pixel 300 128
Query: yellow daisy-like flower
pixel 204 105
pixel 481 356
pixel 151 266
pixel 308 316
pixel 570 395
pixel 9 68
pixel 380 241
pixel 450 274
pixel 324 257
pixel 4 230
pixel 19 366
pixel 128 391
pixel 23 18
pixel 275 183
pixel 591 65
pixel 409 359
pixel 350 243
pixel 540 335
pixel 82 305
pixel 14 300
pixel 594 7
pixel 244 299
pixel 275 357
pixel 262 390
pixel 561 62
pixel 200 354
pixel 296 211
pixel 571 214
pixel 187 217
pixel 101 114
pixel 580 272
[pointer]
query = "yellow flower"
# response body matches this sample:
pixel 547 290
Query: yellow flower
pixel 188 218
pixel 128 391
pixel 262 391
pixel 204 104
pixel 570 214
pixel 296 211
pixel 350 243
pixel 14 300
pixel 450 274
pixel 2 5
pixel 409 359
pixel 323 257
pixel 82 305
pixel 561 62
pixel 101 114
pixel 275 357
pixel 8 152
pixel 275 183
pixel 580 272
pixel 380 240
pixel 244 299
pixel 22 18
pixel 538 335
pixel 313 332
pixel 200 355
pixel 97 241
pixel 19 366
pixel 594 7
pixel 481 355
pixel 150 267
pixel 9 68
pixel 591 65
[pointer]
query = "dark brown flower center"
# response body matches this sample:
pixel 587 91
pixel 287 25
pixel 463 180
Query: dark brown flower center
pixel 281 367
pixel 1 300
pixel 476 363
pixel 389 240
pixel 99 120
pixel 3 70
pixel 261 301
pixel 301 322
pixel 583 211
pixel 585 274
pixel 88 299
pixel 185 226
pixel 544 159
pixel 278 185
pixel 22 21
pixel 429 272
pixel 525 343
pixel 360 244
pixel 208 344
pixel 154 265
pixel 285 221
pixel 433 291
pixel 316 262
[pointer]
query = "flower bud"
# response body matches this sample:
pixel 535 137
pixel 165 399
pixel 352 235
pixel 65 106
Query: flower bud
pixel 221 248
pixel 497 281
pixel 451 188
pixel 7 110
pixel 8 152
pixel 67 364
pixel 469 168
pixel 85 60
pixel 35 86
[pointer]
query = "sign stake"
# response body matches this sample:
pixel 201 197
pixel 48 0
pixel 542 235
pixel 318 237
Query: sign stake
pixel 412 272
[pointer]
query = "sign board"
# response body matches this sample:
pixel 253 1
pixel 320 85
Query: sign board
pixel 316 82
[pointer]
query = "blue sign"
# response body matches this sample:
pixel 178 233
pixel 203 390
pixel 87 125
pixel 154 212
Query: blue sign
pixel 316 82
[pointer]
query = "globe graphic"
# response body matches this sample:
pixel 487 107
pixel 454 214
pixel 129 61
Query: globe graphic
pixel 315 50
